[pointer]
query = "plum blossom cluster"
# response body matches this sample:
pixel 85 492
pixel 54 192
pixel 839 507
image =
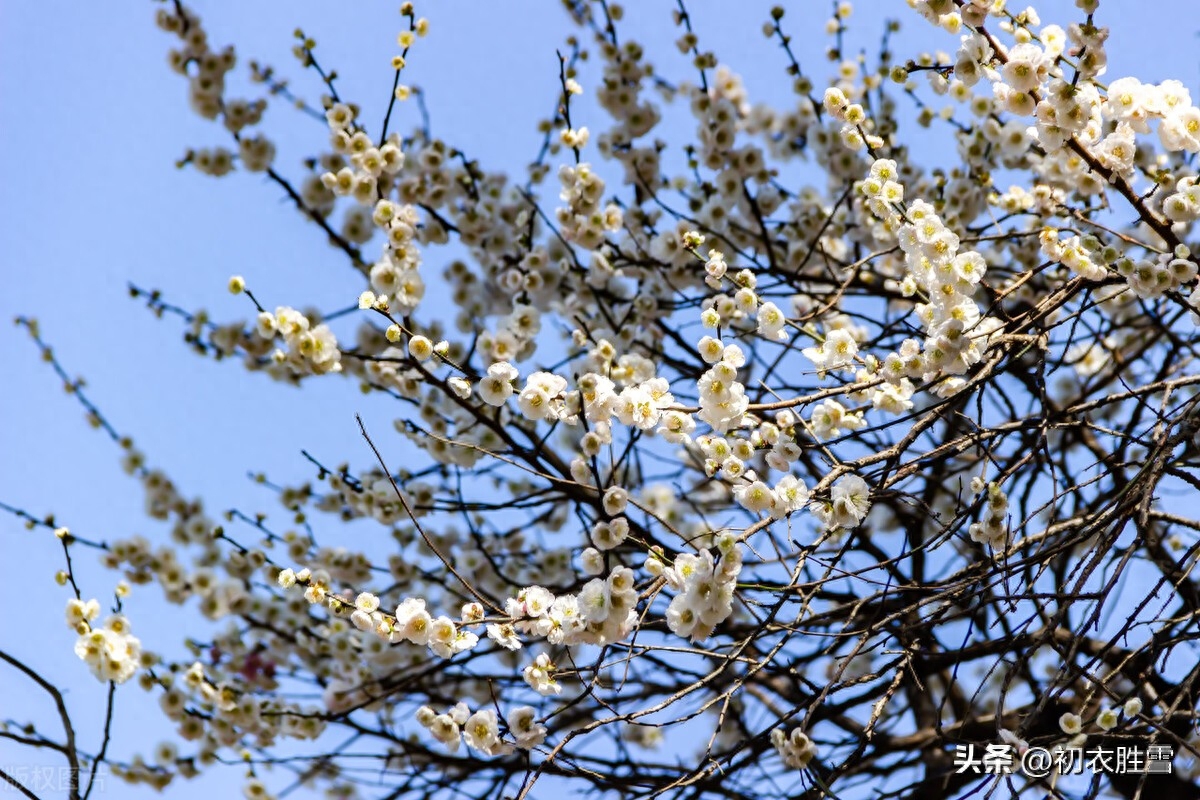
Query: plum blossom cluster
pixel 838 351
pixel 607 608
pixel 1151 278
pixel 311 349
pixel 854 118
pixel 219 712
pixel 603 612
pixel 396 274
pixel 1147 278
pixel 1107 719
pixel 830 419
pixel 1030 78
pixel 956 332
pixel 481 729
pixel 584 221
pixel 1182 206
pixel 705 585
pixel 111 651
pixel 411 622
pixel 537 612
pixel 993 529
pixel 367 171
pixel 723 400
pixel 542 398
pixel 789 494
pixel 206 70
pixel 1138 105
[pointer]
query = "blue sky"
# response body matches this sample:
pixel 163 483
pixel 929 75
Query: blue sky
pixel 92 121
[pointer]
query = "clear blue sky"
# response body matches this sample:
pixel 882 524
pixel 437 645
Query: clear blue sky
pixel 92 121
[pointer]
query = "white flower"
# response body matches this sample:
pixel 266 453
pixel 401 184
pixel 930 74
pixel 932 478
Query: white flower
pixel 831 417
pixel 497 386
pixel 733 356
pixel 715 266
pixel 264 325
pixel 834 100
pixel 595 601
pixel 522 724
pixel 795 748
pixel 850 501
pixel 1025 68
pixel 420 348
pixel 471 612
pixel 615 499
pixel 1070 724
pixel 538 675
pixel 446 730
pixel 791 495
pixel 676 427
pixel 771 322
pixel 682 617
pixel 636 407
pixel 256 790
pixel 535 400
pixel 534 403
pixel 459 713
pixel 482 732
pixel 504 635
pixel 537 600
pixel 710 349
pixel 755 497
pixel 592 561
pixel 442 633
pixel 463 641
pixel 78 611
pixel 607 535
pixel 339 116
pixel 503 370
pixel 839 349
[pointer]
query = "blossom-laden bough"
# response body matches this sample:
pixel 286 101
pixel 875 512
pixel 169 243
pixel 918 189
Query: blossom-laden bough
pixel 727 483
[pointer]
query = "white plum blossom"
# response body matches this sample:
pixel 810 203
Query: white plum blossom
pixel 837 351
pixel 522 723
pixel 771 322
pixel 482 732
pixel 705 589
pixel 790 495
pixel 497 386
pixel 540 676
pixel 795 748
pixel 850 500
pixel 641 406
pixel 111 652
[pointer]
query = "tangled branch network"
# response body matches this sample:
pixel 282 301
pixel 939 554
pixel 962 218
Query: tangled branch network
pixel 735 453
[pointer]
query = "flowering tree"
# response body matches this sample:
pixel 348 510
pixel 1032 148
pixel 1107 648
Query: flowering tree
pixel 765 463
